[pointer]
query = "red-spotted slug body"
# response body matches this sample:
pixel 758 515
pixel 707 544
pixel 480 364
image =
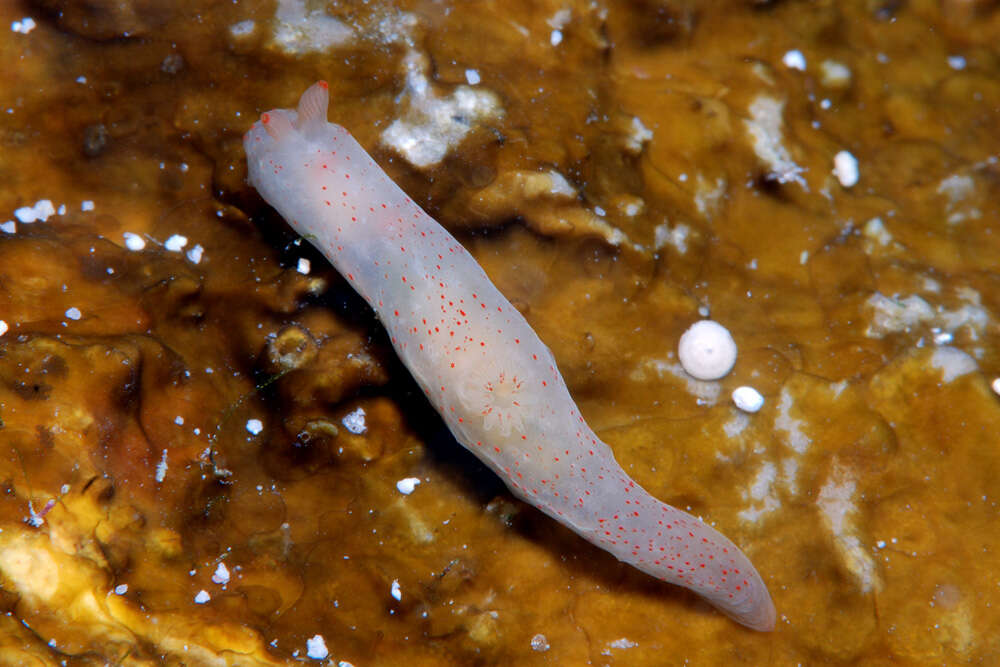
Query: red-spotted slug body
pixel 481 365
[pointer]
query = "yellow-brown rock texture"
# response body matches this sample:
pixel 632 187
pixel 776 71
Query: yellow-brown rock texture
pixel 206 439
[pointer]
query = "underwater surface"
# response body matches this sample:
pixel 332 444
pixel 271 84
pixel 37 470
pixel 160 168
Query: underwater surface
pixel 211 455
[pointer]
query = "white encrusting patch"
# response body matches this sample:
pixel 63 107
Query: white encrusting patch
pixel 736 425
pixel 161 468
pixel 765 129
pixel 299 30
pixel 795 437
pixel 837 508
pixel 434 125
pixel 903 315
pixel 953 363
pixel 761 494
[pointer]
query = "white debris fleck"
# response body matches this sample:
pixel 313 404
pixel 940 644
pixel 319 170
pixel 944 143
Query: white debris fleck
pixel 134 242
pixel 995 386
pixel 622 643
pixel 254 426
pixel 834 74
pixel 434 125
pixel 845 168
pixel 555 39
pixel 407 485
pixel 8 227
pixel 956 62
pixel 304 266
pixel 540 643
pixel 175 243
pixel 24 26
pixel 195 254
pixel 3 327
pixel 221 574
pixel 121 589
pixel 73 313
pixel 748 399
pixel 709 197
pixel 243 28
pixel 161 468
pixel 804 257
pixel 707 350
pixel 42 210
pixel 472 77
pixel 396 591
pixel 958 188
pixel 316 648
pixel 202 597
pixel 179 420
pixel 942 337
pixel 663 236
pixel 794 59
pixel 556 184
pixel 344 663
pixel 764 127
pixel 875 230
pixel 953 363
pixel 298 31
pixel 355 421
pixel 560 19
pixel 639 135
pixel 87 205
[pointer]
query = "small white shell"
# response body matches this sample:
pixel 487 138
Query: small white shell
pixel 748 399
pixel 707 351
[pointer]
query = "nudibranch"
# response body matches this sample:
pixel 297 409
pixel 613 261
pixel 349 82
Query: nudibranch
pixel 481 365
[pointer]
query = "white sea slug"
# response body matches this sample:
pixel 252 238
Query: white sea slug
pixel 480 364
